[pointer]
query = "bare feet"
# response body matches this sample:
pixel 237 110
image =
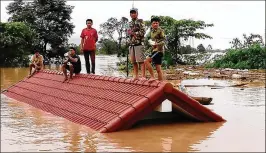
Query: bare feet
pixel 70 79
pixel 29 75
pixel 134 79
pixel 151 80
pixel 65 80
pixel 142 79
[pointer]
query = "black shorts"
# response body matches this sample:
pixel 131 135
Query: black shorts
pixel 76 70
pixel 156 57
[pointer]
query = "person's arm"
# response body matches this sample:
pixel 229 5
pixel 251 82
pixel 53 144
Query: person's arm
pixel 33 60
pixel 141 31
pixel 96 36
pixel 82 40
pixel 41 62
pixel 71 59
pixel 147 38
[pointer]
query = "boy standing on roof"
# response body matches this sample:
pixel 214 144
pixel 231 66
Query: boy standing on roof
pixel 136 50
pixel 156 39
pixel 89 37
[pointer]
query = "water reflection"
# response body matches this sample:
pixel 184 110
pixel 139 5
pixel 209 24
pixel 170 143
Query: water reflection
pixel 90 143
pixel 25 128
pixel 11 75
pixel 74 138
pixel 165 137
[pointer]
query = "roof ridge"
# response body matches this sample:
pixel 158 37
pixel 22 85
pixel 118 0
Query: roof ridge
pixel 111 78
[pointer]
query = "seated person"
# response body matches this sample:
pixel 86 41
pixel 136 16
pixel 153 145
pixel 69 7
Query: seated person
pixel 36 62
pixel 72 64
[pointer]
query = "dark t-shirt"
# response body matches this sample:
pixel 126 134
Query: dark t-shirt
pixel 76 65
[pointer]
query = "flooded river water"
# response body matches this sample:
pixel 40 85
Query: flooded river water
pixel 25 128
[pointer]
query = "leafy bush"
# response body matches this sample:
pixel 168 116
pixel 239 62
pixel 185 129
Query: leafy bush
pixel 252 57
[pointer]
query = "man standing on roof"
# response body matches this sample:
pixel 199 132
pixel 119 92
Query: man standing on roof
pixel 36 62
pixel 89 37
pixel 156 39
pixel 136 41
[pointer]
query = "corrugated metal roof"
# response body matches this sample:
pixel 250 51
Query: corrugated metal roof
pixel 103 103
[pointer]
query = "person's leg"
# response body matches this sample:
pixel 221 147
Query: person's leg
pixel 71 69
pixel 87 61
pixel 159 71
pixel 31 66
pixel 140 57
pixel 64 69
pixel 133 61
pixel 92 54
pixel 158 62
pixel 136 71
pixel 76 71
pixel 38 68
pixel 149 67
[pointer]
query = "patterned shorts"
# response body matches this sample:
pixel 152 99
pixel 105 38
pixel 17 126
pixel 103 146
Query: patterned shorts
pixel 137 53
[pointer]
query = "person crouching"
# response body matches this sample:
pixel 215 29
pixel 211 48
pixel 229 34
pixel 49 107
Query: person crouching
pixel 72 64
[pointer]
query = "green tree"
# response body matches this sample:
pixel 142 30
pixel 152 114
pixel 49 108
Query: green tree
pixel 187 49
pixel 249 54
pixel 177 30
pixel 252 57
pixel 49 18
pixel 209 47
pixel 112 25
pixel 185 29
pixel 107 46
pixel 201 48
pixel 16 39
pixel 247 42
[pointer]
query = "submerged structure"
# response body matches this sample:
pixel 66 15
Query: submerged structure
pixel 103 103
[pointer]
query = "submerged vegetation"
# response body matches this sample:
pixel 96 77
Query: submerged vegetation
pixel 252 57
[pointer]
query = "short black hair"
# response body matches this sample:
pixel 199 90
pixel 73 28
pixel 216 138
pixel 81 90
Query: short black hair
pixel 36 51
pixel 133 10
pixel 156 19
pixel 72 48
pixel 89 20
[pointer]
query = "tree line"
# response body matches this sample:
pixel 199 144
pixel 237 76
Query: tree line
pixel 40 24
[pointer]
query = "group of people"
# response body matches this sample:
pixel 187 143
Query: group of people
pixel 137 41
pixel 72 63
pixel 155 41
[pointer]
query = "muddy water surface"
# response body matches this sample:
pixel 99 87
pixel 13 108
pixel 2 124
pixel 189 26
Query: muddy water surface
pixel 25 128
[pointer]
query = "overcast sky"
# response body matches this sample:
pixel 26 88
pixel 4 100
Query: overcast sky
pixel 230 18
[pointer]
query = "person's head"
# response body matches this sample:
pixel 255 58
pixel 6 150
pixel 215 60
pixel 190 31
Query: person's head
pixel 36 52
pixel 155 22
pixel 72 51
pixel 89 23
pixel 134 13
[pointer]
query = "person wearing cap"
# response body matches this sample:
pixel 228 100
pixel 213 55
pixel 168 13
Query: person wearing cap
pixel 136 34
pixel 36 62
pixel 72 64
pixel 156 41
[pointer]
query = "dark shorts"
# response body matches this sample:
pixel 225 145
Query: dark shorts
pixel 76 70
pixel 156 57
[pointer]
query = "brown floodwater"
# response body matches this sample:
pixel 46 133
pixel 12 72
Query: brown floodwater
pixel 25 128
